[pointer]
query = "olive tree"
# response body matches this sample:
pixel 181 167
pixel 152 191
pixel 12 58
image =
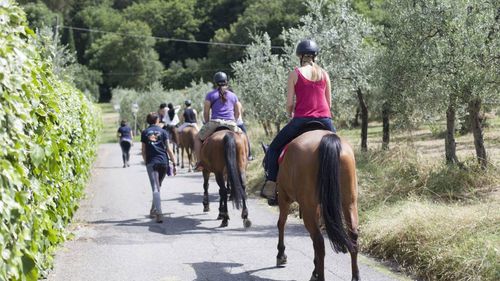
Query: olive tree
pixel 446 56
pixel 260 81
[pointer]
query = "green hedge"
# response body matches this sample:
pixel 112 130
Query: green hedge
pixel 48 135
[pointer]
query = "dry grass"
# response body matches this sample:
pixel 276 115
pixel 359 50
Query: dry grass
pixel 437 241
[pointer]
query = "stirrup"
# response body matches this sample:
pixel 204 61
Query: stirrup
pixel 198 167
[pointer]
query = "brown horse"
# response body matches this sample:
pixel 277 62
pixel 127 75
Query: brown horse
pixel 319 172
pixel 224 153
pixel 174 137
pixel 186 142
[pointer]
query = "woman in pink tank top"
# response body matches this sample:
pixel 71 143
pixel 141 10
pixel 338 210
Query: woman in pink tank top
pixel 310 85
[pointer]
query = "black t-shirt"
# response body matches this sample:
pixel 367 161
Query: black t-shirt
pixel 125 133
pixel 189 116
pixel 155 139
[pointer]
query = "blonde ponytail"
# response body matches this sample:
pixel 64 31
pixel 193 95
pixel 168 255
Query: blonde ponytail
pixel 317 71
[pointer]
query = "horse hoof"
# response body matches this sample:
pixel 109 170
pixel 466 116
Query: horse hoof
pixel 206 209
pixel 247 223
pixel 314 277
pixel 182 167
pixel 281 261
pixel 223 223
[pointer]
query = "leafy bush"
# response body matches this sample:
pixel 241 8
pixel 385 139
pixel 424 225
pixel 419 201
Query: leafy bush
pixel 48 133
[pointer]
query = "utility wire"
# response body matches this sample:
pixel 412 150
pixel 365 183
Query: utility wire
pixel 161 38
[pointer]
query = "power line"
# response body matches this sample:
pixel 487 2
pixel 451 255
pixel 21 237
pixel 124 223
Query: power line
pixel 162 38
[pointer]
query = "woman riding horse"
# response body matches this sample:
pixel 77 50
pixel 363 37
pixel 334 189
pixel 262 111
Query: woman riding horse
pixel 310 85
pixel 317 168
pixel 224 152
pixel 224 107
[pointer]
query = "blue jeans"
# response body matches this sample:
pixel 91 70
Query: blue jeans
pixel 286 135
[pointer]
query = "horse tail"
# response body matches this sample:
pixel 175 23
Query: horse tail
pixel 233 172
pixel 329 192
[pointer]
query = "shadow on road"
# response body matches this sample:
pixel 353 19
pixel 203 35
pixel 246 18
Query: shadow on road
pixel 191 224
pixel 220 271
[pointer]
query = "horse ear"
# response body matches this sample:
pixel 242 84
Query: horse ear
pixel 265 147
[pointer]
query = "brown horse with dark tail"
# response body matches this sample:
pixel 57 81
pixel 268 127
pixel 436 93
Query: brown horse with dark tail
pixel 174 138
pixel 319 172
pixel 186 142
pixel 224 153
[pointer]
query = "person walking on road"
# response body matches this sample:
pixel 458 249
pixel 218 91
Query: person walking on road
pixel 156 154
pixel 125 137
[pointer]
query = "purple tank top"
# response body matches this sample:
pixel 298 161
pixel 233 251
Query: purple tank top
pixel 222 110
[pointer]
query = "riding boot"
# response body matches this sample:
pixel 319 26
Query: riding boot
pixel 269 190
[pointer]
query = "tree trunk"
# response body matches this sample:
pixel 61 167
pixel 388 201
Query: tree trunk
pixel 355 122
pixel 385 126
pixel 450 145
pixel 364 120
pixel 278 127
pixel 477 131
pixel 266 130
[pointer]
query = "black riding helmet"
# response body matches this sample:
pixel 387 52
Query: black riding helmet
pixel 307 47
pixel 187 102
pixel 220 78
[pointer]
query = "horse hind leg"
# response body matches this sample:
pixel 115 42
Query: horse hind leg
pixel 223 212
pixel 284 207
pixel 351 215
pixel 348 182
pixel 244 212
pixel 318 273
pixel 206 201
pixel 190 157
pixel 182 157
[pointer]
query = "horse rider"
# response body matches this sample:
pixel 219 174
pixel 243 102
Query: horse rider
pixel 189 117
pixel 162 114
pixel 220 109
pixel 309 85
pixel 171 119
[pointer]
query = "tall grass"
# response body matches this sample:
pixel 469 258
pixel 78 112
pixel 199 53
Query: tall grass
pixel 437 241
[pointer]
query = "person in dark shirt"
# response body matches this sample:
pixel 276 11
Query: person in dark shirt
pixel 125 137
pixel 189 117
pixel 156 154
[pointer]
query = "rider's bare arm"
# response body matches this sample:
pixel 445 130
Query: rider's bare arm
pixel 206 111
pixel 292 79
pixel 237 110
pixel 328 91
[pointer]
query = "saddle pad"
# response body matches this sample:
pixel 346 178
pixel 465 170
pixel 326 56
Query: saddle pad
pixel 282 154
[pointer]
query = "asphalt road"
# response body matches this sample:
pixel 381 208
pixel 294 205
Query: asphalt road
pixel 114 239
